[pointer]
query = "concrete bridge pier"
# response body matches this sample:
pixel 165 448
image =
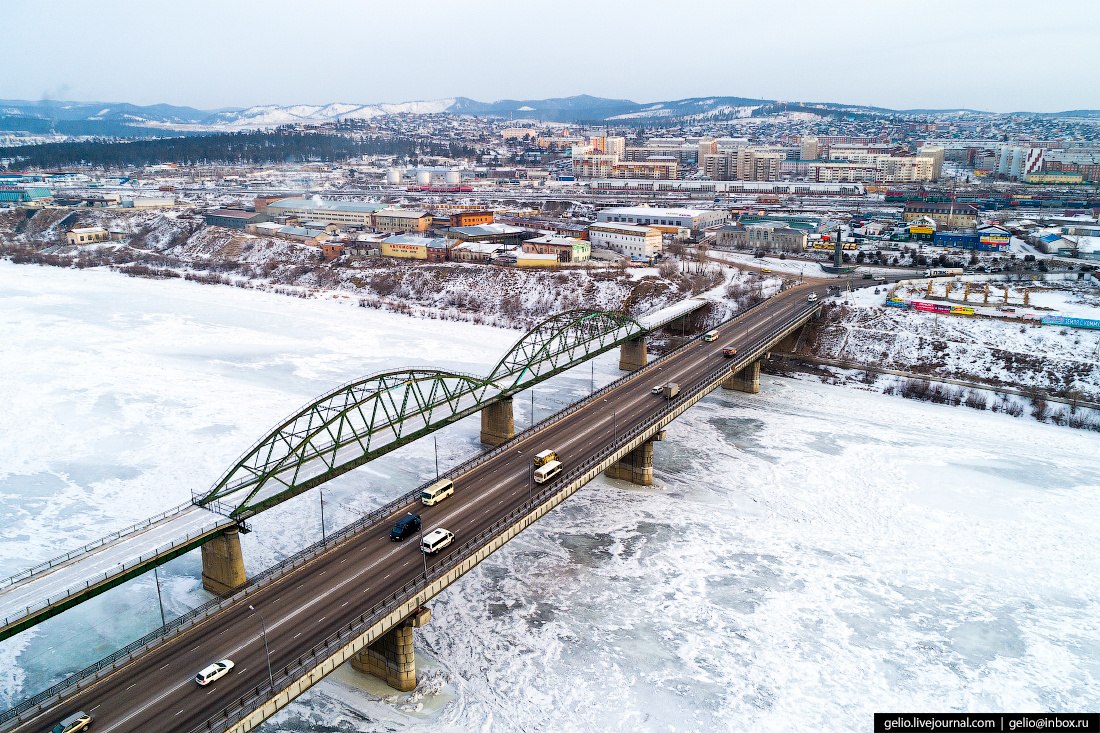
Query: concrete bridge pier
pixel 392 658
pixel 633 355
pixel 497 423
pixel 637 465
pixel 746 380
pixel 223 563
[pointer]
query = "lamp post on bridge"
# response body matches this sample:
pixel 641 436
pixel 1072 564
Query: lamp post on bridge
pixel 160 600
pixel 267 650
pixel 321 493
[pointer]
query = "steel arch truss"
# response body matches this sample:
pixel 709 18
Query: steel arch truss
pixel 342 430
pixel 372 416
pixel 560 342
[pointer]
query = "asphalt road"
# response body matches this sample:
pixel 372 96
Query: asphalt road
pixel 156 692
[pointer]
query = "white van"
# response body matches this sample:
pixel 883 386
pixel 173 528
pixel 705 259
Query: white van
pixel 710 336
pixel 545 456
pixel 547 472
pixel 437 492
pixel 436 540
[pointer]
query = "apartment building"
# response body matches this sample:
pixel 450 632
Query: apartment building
pixel 745 164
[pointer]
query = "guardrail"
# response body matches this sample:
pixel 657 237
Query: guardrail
pixel 103 667
pixel 287 675
pixel 49 564
pixel 120 569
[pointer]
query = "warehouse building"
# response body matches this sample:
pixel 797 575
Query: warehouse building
pixel 234 218
pixel 401 220
pixel 567 249
pixel 87 235
pixel 641 243
pixel 665 219
pixel 496 232
pixel 416 247
pixel 343 213
pixel 770 237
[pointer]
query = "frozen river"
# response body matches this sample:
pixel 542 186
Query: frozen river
pixel 809 555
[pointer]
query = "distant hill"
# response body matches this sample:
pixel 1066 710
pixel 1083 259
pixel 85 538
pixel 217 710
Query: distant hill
pixel 111 119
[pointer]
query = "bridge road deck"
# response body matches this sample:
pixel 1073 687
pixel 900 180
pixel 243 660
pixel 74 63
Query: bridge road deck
pixel 155 691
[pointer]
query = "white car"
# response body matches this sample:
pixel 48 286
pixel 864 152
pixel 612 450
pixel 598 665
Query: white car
pixel 215 671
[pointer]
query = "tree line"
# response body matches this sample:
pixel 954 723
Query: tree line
pixel 273 146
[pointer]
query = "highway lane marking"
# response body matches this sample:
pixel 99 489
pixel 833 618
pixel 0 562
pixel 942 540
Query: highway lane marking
pixel 385 558
pixel 166 664
pixel 343 604
pixel 133 685
pixel 321 619
pixel 177 713
pixel 95 708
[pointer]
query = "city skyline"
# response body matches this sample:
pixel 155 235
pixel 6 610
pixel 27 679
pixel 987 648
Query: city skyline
pixel 860 53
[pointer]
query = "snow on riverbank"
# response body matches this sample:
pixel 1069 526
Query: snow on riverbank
pixel 810 554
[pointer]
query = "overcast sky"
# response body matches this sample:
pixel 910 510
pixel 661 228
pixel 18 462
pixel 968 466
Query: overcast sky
pixel 1002 55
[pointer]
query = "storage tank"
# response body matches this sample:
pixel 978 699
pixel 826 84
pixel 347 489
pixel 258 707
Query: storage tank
pixel 393 176
pixel 454 178
pixel 424 178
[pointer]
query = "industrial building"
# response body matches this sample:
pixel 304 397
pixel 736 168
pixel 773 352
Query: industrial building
pixel 500 233
pixel 671 220
pixel 470 218
pixel 415 247
pixel 234 218
pixel 344 213
pixel 947 214
pixel 637 242
pixel 769 236
pixel 401 220
pixel 87 235
pixel 567 249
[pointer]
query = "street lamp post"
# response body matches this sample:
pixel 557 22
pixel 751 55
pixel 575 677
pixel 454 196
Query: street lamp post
pixel 322 498
pixel 267 650
pixel 435 442
pixel 160 600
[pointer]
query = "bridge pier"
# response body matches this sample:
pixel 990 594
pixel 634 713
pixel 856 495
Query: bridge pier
pixel 223 563
pixel 746 380
pixel 637 465
pixel 633 355
pixel 497 423
pixel 392 658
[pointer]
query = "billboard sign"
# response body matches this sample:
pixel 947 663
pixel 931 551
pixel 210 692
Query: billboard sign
pixel 1072 322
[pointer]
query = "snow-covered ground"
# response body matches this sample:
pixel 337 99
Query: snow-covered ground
pixel 999 350
pixel 808 556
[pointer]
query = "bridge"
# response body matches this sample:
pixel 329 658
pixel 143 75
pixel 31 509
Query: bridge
pixel 357 596
pixel 351 425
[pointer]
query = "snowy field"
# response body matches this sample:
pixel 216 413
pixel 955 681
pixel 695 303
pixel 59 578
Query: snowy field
pixel 809 555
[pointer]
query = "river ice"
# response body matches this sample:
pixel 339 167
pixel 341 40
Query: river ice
pixel 807 557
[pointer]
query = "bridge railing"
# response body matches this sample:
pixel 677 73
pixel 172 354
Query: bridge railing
pixel 60 559
pixel 289 673
pixel 79 588
pixel 103 667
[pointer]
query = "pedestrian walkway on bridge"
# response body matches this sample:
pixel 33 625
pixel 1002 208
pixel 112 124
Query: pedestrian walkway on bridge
pixel 53 586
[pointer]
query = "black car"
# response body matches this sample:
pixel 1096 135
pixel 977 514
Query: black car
pixel 406 526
